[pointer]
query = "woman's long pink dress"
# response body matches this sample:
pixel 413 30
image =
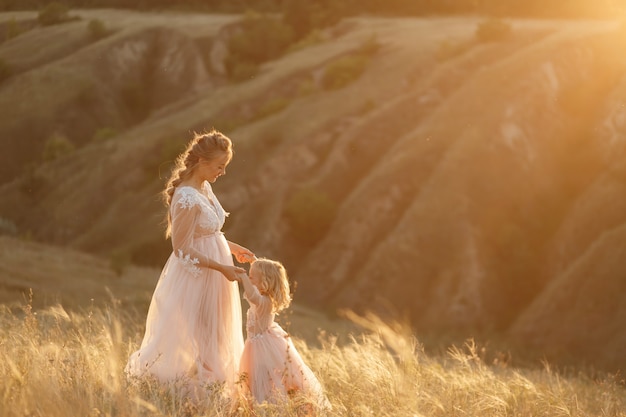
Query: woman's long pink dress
pixel 194 325
pixel 271 368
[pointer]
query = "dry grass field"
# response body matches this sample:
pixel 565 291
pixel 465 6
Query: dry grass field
pixel 59 363
pixel 64 345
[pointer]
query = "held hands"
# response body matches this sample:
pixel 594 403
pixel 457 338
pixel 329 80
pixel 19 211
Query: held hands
pixel 231 272
pixel 241 276
pixel 243 255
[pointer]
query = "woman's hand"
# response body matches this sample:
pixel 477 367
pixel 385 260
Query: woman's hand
pixel 243 255
pixel 241 276
pixel 231 272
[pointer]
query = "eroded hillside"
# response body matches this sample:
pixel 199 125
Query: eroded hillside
pixel 468 178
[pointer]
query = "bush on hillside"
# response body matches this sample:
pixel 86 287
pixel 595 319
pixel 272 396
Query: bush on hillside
pixel 7 227
pixel 103 134
pixel 493 30
pixel 239 71
pixel 348 68
pixel 12 29
pixel 314 37
pixel 271 106
pixel 53 14
pixel 306 16
pixel 310 214
pixel 343 71
pixel 97 29
pixel 56 146
pixel 260 38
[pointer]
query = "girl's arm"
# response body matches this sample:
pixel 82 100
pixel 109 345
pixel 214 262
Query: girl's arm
pixel 252 293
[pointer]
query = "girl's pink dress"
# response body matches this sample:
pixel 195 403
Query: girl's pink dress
pixel 271 368
pixel 194 325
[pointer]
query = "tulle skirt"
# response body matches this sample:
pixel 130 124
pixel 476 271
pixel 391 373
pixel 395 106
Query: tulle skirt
pixel 194 325
pixel 272 370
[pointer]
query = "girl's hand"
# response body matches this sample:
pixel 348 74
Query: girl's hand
pixel 243 255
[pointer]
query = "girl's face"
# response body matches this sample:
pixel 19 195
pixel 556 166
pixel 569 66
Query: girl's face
pixel 212 169
pixel 256 278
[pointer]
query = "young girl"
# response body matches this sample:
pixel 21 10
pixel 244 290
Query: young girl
pixel 271 368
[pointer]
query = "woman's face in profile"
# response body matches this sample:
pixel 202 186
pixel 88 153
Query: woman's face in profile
pixel 212 169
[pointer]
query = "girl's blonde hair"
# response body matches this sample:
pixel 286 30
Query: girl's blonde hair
pixel 207 146
pixel 274 282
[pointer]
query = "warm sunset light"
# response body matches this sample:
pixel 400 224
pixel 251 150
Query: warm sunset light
pixel 312 208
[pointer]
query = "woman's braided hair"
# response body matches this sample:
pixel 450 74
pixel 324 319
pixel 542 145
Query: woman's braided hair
pixel 207 146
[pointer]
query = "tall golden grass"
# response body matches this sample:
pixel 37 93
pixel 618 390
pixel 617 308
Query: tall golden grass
pixel 59 363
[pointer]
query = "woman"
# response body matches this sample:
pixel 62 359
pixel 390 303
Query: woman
pixel 194 327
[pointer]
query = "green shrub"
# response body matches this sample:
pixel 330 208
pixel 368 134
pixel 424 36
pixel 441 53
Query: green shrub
pixel 103 134
pixel 493 30
pixel 348 68
pixel 12 30
pixel 271 106
pixel 56 146
pixel 314 37
pixel 309 213
pixel 96 29
pixel 53 14
pixel 343 71
pixel 7 227
pixel 306 16
pixel 239 71
pixel 228 122
pixel 259 39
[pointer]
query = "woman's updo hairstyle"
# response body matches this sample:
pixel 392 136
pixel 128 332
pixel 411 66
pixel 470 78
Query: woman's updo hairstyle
pixel 207 146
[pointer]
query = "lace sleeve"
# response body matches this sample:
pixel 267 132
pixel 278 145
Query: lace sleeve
pixel 186 213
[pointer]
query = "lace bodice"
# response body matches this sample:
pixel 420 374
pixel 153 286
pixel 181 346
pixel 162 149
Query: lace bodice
pixel 213 214
pixel 196 214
